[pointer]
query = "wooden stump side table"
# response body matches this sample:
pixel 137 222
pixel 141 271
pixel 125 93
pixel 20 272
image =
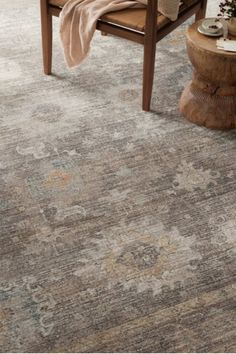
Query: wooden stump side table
pixel 210 98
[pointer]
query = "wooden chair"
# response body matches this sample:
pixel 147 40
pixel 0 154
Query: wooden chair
pixel 144 26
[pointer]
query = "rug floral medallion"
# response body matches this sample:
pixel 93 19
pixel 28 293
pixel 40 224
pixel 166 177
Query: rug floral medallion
pixel 117 227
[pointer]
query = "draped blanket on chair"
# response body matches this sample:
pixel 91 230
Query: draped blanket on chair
pixel 79 17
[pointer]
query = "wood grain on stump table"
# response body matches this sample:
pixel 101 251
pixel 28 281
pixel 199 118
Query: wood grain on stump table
pixel 210 98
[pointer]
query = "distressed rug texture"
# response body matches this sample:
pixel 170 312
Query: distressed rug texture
pixel 117 227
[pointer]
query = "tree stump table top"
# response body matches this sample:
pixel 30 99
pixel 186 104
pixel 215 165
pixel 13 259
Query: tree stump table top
pixel 206 43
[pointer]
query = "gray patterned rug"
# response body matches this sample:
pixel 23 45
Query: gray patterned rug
pixel 117 226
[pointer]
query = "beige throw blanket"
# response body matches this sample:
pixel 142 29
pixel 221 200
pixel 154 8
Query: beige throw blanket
pixel 79 17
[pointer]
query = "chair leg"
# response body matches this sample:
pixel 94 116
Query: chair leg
pixel 148 72
pixel 46 29
pixel 202 12
pixel 150 39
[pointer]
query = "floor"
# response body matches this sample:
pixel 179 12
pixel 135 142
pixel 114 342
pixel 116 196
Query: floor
pixel 117 227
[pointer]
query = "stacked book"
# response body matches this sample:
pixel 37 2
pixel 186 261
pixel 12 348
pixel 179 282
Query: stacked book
pixel 226 44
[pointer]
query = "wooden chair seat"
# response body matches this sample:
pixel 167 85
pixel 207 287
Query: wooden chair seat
pixel 134 19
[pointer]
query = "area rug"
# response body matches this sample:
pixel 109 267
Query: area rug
pixel 117 227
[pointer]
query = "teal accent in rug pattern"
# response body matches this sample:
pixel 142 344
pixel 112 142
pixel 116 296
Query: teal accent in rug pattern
pixel 117 227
